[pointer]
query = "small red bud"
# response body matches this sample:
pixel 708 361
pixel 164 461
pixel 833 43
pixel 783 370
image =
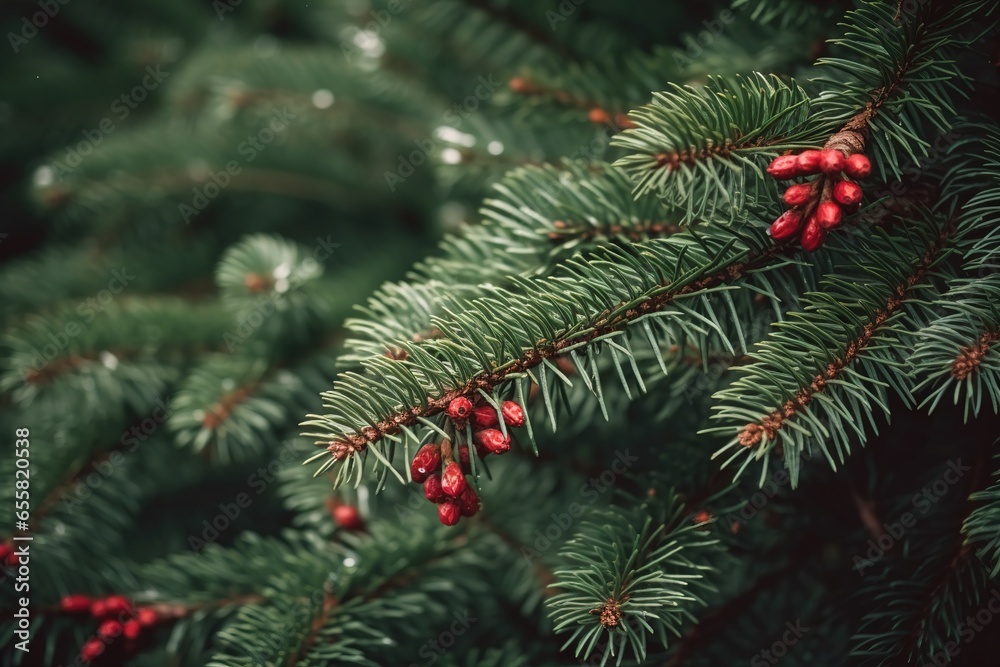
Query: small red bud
pixel 832 162
pixel 798 194
pixel 786 226
pixel 468 502
pixel 131 629
pixel 99 609
pixel 485 416
pixel 809 162
pixel 847 193
pixel 453 480
pixel 433 491
pixel 493 440
pixel 75 604
pixel 513 415
pixel 459 408
pixel 5 550
pixel 426 461
pixel 147 617
pixel 598 116
pixel 117 604
pixel 829 214
pixel 348 517
pixel 813 235
pixel 13 560
pixel 784 167
pixel 92 650
pixel 463 458
pixel 449 512
pixel 858 166
pixel 109 629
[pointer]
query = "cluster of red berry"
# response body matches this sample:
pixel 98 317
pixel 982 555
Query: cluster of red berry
pixel 817 206
pixel 118 618
pixel 443 477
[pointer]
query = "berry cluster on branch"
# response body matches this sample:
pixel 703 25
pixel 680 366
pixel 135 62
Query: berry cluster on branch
pixel 435 465
pixel 817 206
pixel 121 626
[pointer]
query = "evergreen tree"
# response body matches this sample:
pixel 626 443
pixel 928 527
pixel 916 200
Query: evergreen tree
pixel 658 333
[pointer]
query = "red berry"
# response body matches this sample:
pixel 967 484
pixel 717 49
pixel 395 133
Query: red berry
pixel 146 617
pixel 117 604
pixel 109 629
pixel 348 517
pixel 847 192
pixel 809 162
pixel 92 650
pixel 832 162
pixel 131 629
pixel 829 214
pixel 798 194
pixel 99 609
pixel 783 167
pixel 786 226
pixel 425 462
pixel 13 560
pixel 468 502
pixel 75 604
pixel 485 416
pixel 513 415
pixel 449 512
pixel 493 440
pixel 813 235
pixel 459 408
pixel 433 491
pixel 5 550
pixel 453 480
pixel 858 166
pixel 463 458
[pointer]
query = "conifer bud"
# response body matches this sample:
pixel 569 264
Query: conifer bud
pixel 348 517
pixel 468 502
pixel 598 116
pixel 798 194
pixel 132 629
pixel 513 415
pixel 146 617
pixel 75 604
pixel 847 193
pixel 809 162
pixel 109 629
pixel 813 235
pixel 493 440
pixel 784 167
pixel 459 408
pixel 433 491
pixel 485 416
pixel 426 461
pixel 453 480
pixel 463 458
pixel 117 604
pixel 828 214
pixel 786 226
pixel 449 512
pixel 858 166
pixel 92 650
pixel 832 162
